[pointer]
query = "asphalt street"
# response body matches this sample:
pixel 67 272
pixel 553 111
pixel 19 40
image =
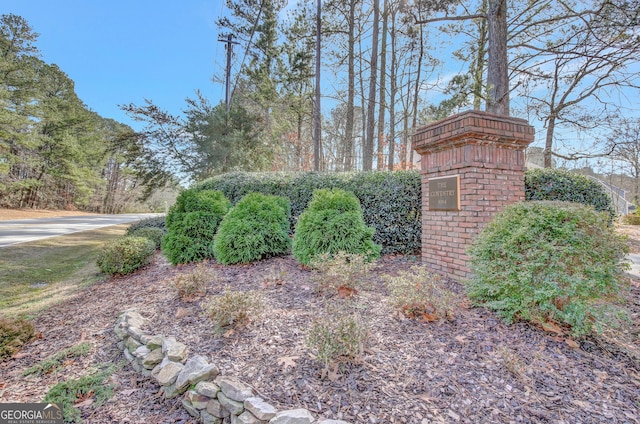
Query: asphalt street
pixel 26 230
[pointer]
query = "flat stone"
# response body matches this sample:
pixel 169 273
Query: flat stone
pixel 154 342
pixel 207 418
pixel 120 330
pixel 156 370
pixel 197 400
pixel 141 352
pixel 215 408
pixel 131 344
pixel 146 372
pixel 170 391
pixel 233 388
pixel 128 355
pixel 248 418
pixel 134 319
pixel 190 409
pixel 174 350
pixel 207 388
pixel 261 409
pixel 136 366
pixel 195 370
pixel 169 373
pixel 292 416
pixel 233 406
pixel 135 332
pixel 152 359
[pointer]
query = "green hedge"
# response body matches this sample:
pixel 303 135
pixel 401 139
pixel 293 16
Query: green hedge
pixel 390 201
pixel 125 255
pixel 331 224
pixel 565 186
pixel 192 223
pixel 256 228
pixel 549 261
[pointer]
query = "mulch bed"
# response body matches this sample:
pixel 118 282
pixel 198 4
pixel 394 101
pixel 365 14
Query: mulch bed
pixel 472 368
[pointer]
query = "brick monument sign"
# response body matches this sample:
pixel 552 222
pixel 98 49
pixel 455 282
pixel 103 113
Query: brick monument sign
pixel 472 165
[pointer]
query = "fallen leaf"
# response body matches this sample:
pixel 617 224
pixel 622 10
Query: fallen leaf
pixel 552 328
pixel 182 312
pixel 128 392
pixel 425 397
pixel 287 361
pixel 19 355
pixel 461 339
pixel 572 343
pixel 86 402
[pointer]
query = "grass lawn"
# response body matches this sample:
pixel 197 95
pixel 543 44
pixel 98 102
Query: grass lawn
pixel 35 275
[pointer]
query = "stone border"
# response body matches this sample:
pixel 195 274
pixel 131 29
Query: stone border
pixel 209 397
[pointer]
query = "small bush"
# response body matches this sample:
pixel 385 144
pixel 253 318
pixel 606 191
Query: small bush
pixel 192 223
pixel 154 222
pixel 342 270
pixel 92 386
pixel 419 294
pixel 546 262
pixel 332 223
pixel 564 186
pixel 234 309
pixel 125 255
pixel 194 283
pixel 631 219
pixel 151 233
pixel 256 228
pixel 339 335
pixel 14 333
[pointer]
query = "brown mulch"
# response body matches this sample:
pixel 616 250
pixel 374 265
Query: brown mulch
pixel 473 368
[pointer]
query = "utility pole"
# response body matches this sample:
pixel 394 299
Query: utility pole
pixel 317 136
pixel 229 41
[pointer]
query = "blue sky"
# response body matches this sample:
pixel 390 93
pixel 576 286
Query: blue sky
pixel 120 52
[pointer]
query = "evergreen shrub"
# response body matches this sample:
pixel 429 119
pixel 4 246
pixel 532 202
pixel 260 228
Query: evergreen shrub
pixel 154 222
pixel 125 255
pixel 565 186
pixel 191 225
pixel 152 233
pixel 14 334
pixel 257 227
pixel 390 201
pixel 549 262
pixel 333 223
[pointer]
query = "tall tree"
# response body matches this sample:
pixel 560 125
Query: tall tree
pixel 367 148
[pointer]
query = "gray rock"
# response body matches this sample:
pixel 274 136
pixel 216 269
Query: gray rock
pixel 234 389
pixel 152 359
pixel 195 370
pixel 135 332
pixel 207 388
pixel 156 370
pixel 292 416
pixel 215 408
pixel 169 373
pixel 120 330
pixel 170 391
pixel 207 418
pixel 190 409
pixel 248 418
pixel 134 319
pixel 128 355
pixel 174 350
pixel 197 400
pixel 259 408
pixel 146 372
pixel 233 406
pixel 155 342
pixel 141 352
pixel 333 422
pixel 136 366
pixel 131 344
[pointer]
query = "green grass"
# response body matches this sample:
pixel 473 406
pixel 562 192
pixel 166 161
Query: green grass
pixel 35 275
pixel 57 361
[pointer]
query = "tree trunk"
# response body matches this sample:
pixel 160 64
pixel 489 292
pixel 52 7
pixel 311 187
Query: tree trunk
pixel 351 76
pixel 416 95
pixel 383 94
pixel 478 67
pixel 392 94
pixel 497 69
pixel 317 133
pixel 548 145
pixel 367 150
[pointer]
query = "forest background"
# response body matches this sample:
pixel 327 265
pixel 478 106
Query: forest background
pixel 387 68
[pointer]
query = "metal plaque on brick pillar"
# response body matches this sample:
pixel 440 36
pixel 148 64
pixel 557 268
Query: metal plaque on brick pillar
pixel 444 193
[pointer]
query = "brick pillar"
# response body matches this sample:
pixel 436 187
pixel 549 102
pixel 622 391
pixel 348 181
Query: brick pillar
pixel 483 154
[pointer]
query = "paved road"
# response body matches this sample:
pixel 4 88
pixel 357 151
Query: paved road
pixel 25 230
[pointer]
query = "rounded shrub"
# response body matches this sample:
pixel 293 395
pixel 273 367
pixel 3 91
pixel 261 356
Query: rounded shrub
pixel 256 228
pixel 191 225
pixel 549 262
pixel 333 223
pixel 565 186
pixel 152 233
pixel 154 222
pixel 125 255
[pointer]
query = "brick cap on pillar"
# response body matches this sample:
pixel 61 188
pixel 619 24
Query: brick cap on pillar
pixel 475 127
